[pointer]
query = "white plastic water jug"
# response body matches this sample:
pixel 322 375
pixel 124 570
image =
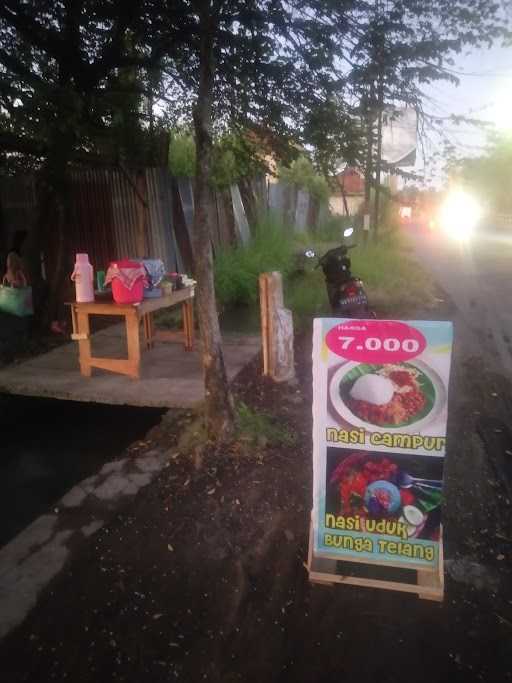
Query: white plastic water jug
pixel 83 277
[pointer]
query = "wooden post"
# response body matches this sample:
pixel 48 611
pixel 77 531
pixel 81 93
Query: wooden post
pixel 84 343
pixel 277 329
pixel 187 312
pixel 264 321
pixel 133 341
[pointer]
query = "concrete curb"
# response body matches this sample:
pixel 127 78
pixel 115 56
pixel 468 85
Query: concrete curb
pixel 31 560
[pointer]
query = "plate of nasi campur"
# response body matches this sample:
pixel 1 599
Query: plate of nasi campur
pixel 404 396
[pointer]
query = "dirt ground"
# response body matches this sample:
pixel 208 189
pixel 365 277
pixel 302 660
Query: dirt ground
pixel 202 577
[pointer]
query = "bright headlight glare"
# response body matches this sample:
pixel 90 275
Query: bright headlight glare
pixel 460 214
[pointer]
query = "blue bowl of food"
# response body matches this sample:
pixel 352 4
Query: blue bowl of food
pixel 382 497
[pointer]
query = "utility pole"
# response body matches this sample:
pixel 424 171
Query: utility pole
pixel 368 171
pixel 378 163
pixel 379 41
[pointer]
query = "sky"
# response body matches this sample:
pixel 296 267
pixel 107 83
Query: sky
pixel 484 92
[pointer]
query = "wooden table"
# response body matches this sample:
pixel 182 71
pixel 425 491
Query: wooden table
pixel 133 314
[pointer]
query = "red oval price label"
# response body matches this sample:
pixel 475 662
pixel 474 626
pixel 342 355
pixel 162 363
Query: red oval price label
pixel 375 341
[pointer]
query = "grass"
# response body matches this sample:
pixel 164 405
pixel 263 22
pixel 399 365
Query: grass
pixel 394 280
pixel 254 430
pixel 330 230
pixel 306 296
pixel 237 269
pixel 261 429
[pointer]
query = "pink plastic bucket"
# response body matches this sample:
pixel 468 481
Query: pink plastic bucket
pixel 124 295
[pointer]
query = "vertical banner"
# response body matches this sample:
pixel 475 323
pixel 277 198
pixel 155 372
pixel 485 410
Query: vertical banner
pixel 399 136
pixel 380 402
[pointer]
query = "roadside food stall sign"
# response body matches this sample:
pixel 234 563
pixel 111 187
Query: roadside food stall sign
pixel 380 400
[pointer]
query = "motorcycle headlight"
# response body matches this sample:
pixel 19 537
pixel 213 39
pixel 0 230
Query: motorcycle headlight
pixel 460 214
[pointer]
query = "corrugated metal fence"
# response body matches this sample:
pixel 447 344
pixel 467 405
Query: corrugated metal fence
pixel 118 213
pixel 121 213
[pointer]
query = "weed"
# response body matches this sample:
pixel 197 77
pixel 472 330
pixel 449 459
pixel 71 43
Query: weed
pixel 302 173
pixel 394 280
pixel 332 229
pixel 193 435
pixel 306 296
pixel 261 429
pixel 237 269
pixel 182 154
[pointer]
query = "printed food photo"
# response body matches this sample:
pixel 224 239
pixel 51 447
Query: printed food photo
pixel 379 486
pixel 387 396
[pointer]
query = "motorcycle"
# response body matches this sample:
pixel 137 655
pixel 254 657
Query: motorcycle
pixel 345 291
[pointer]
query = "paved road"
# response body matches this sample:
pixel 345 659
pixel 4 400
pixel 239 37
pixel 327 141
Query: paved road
pixel 478 278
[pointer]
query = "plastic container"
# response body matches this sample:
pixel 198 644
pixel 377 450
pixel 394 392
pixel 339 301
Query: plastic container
pixel 121 292
pixel 100 280
pixel 83 277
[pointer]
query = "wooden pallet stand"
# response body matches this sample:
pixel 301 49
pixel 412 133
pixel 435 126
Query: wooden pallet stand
pixel 429 585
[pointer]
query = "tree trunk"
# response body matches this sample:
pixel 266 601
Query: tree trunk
pixel 219 415
pixel 344 197
pixel 51 232
pixel 61 263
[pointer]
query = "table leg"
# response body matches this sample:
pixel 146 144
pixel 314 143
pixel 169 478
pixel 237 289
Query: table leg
pixel 148 337
pixel 188 324
pixel 132 337
pixel 84 343
pixel 152 329
pixel 145 328
pixel 74 323
pixel 191 327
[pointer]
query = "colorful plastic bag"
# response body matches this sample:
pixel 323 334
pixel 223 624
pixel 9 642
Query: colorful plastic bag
pixel 16 301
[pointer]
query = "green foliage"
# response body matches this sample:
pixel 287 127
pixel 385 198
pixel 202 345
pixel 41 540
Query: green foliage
pixel 395 282
pixel 393 279
pixel 193 435
pixel 306 297
pixel 489 176
pixel 182 155
pixel 334 133
pixel 388 213
pixel 223 168
pixel 302 173
pixel 276 65
pixel 234 157
pixel 333 227
pixel 261 429
pixel 237 269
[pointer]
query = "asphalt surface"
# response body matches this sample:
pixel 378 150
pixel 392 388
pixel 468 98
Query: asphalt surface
pixel 477 276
